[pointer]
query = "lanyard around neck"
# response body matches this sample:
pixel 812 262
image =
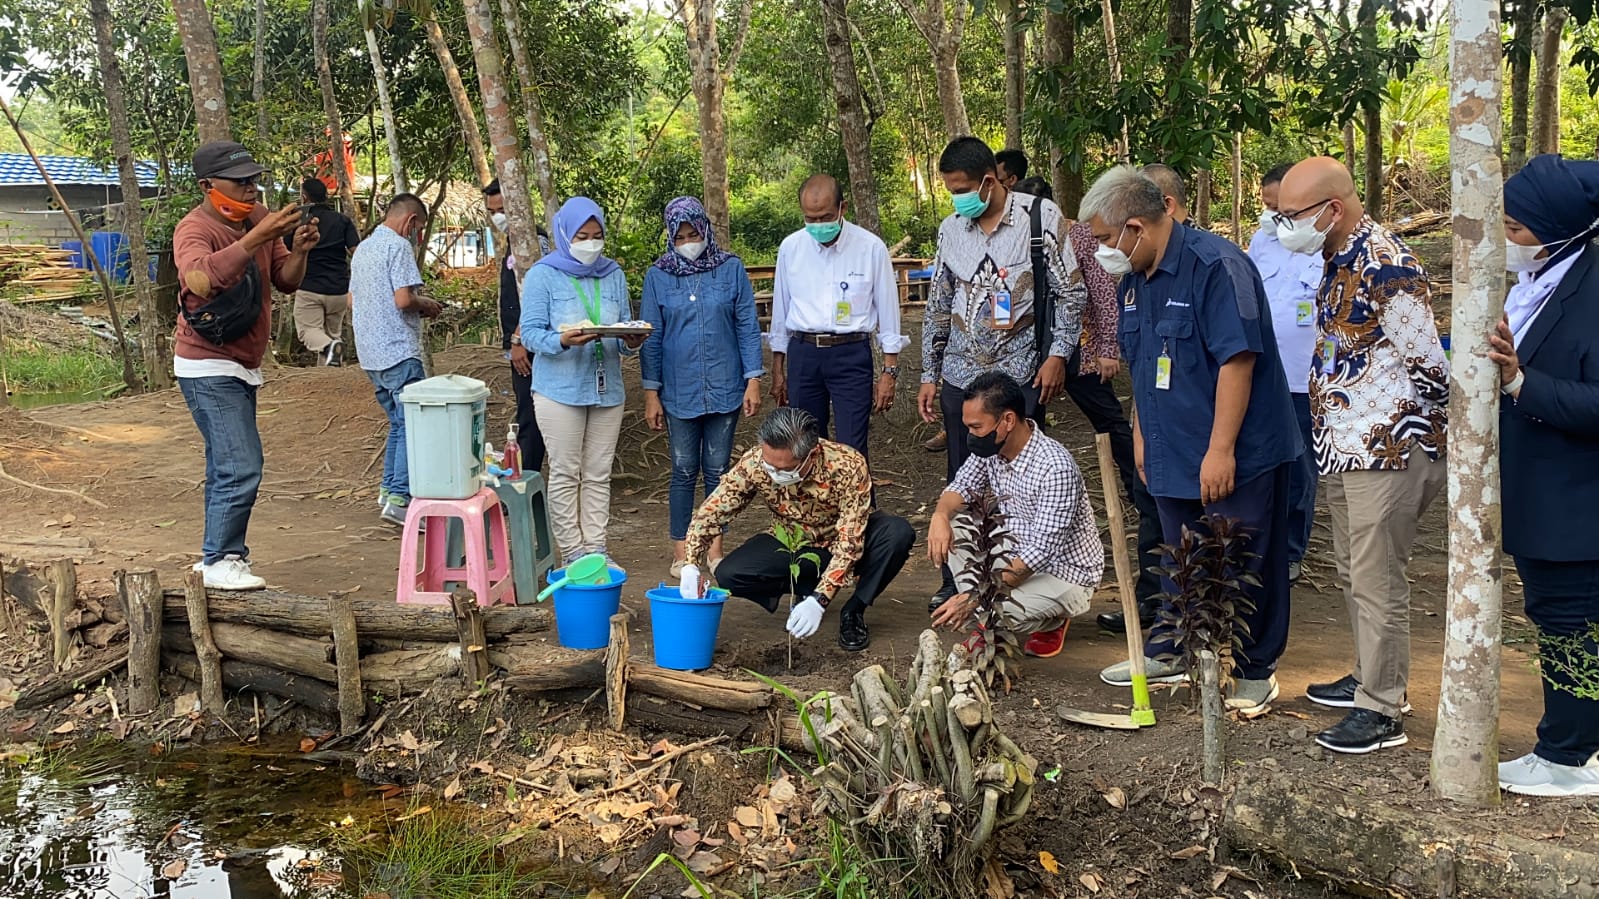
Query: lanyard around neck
pixel 591 303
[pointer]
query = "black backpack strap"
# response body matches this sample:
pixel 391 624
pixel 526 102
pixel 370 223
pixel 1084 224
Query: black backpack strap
pixel 1043 301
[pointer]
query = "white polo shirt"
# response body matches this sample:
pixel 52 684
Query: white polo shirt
pixel 1292 281
pixel 846 288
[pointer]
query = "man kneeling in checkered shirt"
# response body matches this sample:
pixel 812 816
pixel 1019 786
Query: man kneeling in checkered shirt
pixel 1059 558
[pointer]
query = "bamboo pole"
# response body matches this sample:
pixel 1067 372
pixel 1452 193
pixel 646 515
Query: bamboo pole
pixel 205 648
pixel 129 376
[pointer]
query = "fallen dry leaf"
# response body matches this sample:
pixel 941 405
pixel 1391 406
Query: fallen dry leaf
pixel 23 726
pixel 452 789
pixel 704 862
pixel 783 791
pixel 1115 797
pixel 307 745
pixel 1047 860
pixel 747 816
pixel 1183 855
pixel 1091 881
pixel 65 727
pixel 637 810
pixel 174 869
pixel 607 868
pixel 686 837
pixel 409 741
pixel 737 833
pixel 418 813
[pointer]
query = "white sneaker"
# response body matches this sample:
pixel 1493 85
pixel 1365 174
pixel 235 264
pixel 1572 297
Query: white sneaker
pixel 231 573
pixel 1534 776
pixel 1252 698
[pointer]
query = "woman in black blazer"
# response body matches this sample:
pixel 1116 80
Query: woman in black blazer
pixel 1547 350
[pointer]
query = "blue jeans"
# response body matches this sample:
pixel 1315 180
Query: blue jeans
pixel 1302 485
pixel 387 384
pixel 699 445
pixel 224 411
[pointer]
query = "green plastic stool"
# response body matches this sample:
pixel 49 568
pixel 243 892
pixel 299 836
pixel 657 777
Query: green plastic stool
pixel 532 545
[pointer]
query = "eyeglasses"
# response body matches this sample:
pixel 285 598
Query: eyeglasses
pixel 245 182
pixel 1287 219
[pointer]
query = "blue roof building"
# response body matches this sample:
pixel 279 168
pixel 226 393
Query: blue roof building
pixel 29 215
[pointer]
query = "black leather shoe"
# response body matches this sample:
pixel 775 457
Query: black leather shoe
pixel 1116 622
pixel 853 635
pixel 941 597
pixel 1363 731
pixel 1340 694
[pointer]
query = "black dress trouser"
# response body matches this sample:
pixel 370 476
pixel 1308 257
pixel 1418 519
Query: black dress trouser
pixel 758 570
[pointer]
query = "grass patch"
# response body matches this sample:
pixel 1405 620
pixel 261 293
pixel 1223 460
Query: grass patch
pixel 33 368
pixel 436 855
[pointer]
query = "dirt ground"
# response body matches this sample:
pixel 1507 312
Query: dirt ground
pixel 316 530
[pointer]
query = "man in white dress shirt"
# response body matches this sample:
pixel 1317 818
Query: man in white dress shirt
pixel 1291 280
pixel 834 288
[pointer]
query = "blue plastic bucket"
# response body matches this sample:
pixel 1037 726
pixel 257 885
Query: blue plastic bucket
pixel 685 629
pixel 583 611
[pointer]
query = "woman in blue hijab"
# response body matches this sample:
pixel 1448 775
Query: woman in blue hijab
pixel 577 378
pixel 702 364
pixel 1547 350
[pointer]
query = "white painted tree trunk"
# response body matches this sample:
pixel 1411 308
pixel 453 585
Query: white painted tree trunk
pixel 199 38
pixel 1466 745
pixel 391 131
pixel 532 110
pixel 501 116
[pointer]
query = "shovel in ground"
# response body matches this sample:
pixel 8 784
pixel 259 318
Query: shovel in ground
pixel 1142 714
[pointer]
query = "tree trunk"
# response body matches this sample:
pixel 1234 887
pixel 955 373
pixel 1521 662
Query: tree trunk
pixel 538 143
pixel 205 69
pixel 152 337
pixel 1546 125
pixel 1113 55
pixel 1202 198
pixel 330 104
pixel 458 96
pixel 1374 198
pixel 705 68
pixel 391 130
pixel 1465 750
pixel 1348 138
pixel 501 116
pixel 951 99
pixel 1015 71
pixel 258 76
pixel 1524 27
pixel 1060 54
pixel 852 125
pixel 1238 187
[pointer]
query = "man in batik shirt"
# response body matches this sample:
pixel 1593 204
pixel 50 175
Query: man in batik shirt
pixel 1379 388
pixel 822 488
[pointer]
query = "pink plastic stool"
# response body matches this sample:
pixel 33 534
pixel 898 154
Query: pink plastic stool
pixel 487 569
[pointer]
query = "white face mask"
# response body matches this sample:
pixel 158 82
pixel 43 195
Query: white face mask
pixel 1303 236
pixel 1524 259
pixel 1268 222
pixel 499 221
pixel 691 250
pixel 586 251
pixel 784 477
pixel 1114 261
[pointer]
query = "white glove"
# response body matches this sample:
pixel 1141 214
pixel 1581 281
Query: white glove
pixel 806 617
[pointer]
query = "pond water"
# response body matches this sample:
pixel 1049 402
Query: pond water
pixel 222 825
pixel 23 400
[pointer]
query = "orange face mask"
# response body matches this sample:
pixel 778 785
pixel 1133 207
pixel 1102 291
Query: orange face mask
pixel 230 209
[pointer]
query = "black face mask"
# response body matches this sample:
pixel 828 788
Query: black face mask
pixel 987 444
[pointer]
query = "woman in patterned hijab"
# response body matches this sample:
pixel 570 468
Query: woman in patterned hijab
pixel 702 363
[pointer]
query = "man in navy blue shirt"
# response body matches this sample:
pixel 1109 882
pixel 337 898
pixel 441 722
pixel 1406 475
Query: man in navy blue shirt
pixel 1213 428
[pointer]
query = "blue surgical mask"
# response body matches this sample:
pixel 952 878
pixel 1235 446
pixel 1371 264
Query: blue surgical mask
pixel 971 204
pixel 825 232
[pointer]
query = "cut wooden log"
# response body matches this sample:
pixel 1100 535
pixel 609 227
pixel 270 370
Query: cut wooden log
pixel 394 672
pixel 375 618
pixel 141 596
pixel 1370 848
pixel 547 669
pixel 309 692
pixel 63 598
pixel 347 662
pixel 275 649
pixel 616 666
pixel 210 658
pixel 699 689
pixel 68 682
pixel 469 631
pixel 409 670
pixel 553 668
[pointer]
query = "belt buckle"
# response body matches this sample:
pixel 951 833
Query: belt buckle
pixel 826 340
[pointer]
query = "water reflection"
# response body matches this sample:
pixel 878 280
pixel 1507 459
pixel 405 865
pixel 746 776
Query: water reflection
pixel 221 826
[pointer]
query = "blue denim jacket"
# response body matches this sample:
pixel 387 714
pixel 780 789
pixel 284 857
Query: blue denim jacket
pixel 569 374
pixel 707 340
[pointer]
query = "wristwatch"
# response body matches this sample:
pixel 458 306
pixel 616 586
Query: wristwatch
pixel 892 371
pixel 516 340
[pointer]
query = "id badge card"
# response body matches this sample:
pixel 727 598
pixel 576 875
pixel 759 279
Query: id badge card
pixel 1002 309
pixel 1304 314
pixel 1163 372
pixel 1329 355
pixel 841 309
pixel 599 379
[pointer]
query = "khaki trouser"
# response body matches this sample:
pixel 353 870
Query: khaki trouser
pixel 1374 517
pixel 1043 602
pixel 581 445
pixel 319 317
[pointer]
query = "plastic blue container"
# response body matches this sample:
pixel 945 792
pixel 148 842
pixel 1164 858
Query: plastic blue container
pixel 111 248
pixel 685 629
pixel 583 612
pixel 75 247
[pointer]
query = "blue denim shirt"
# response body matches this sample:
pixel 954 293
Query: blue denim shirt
pixel 1204 305
pixel 569 375
pixel 707 341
